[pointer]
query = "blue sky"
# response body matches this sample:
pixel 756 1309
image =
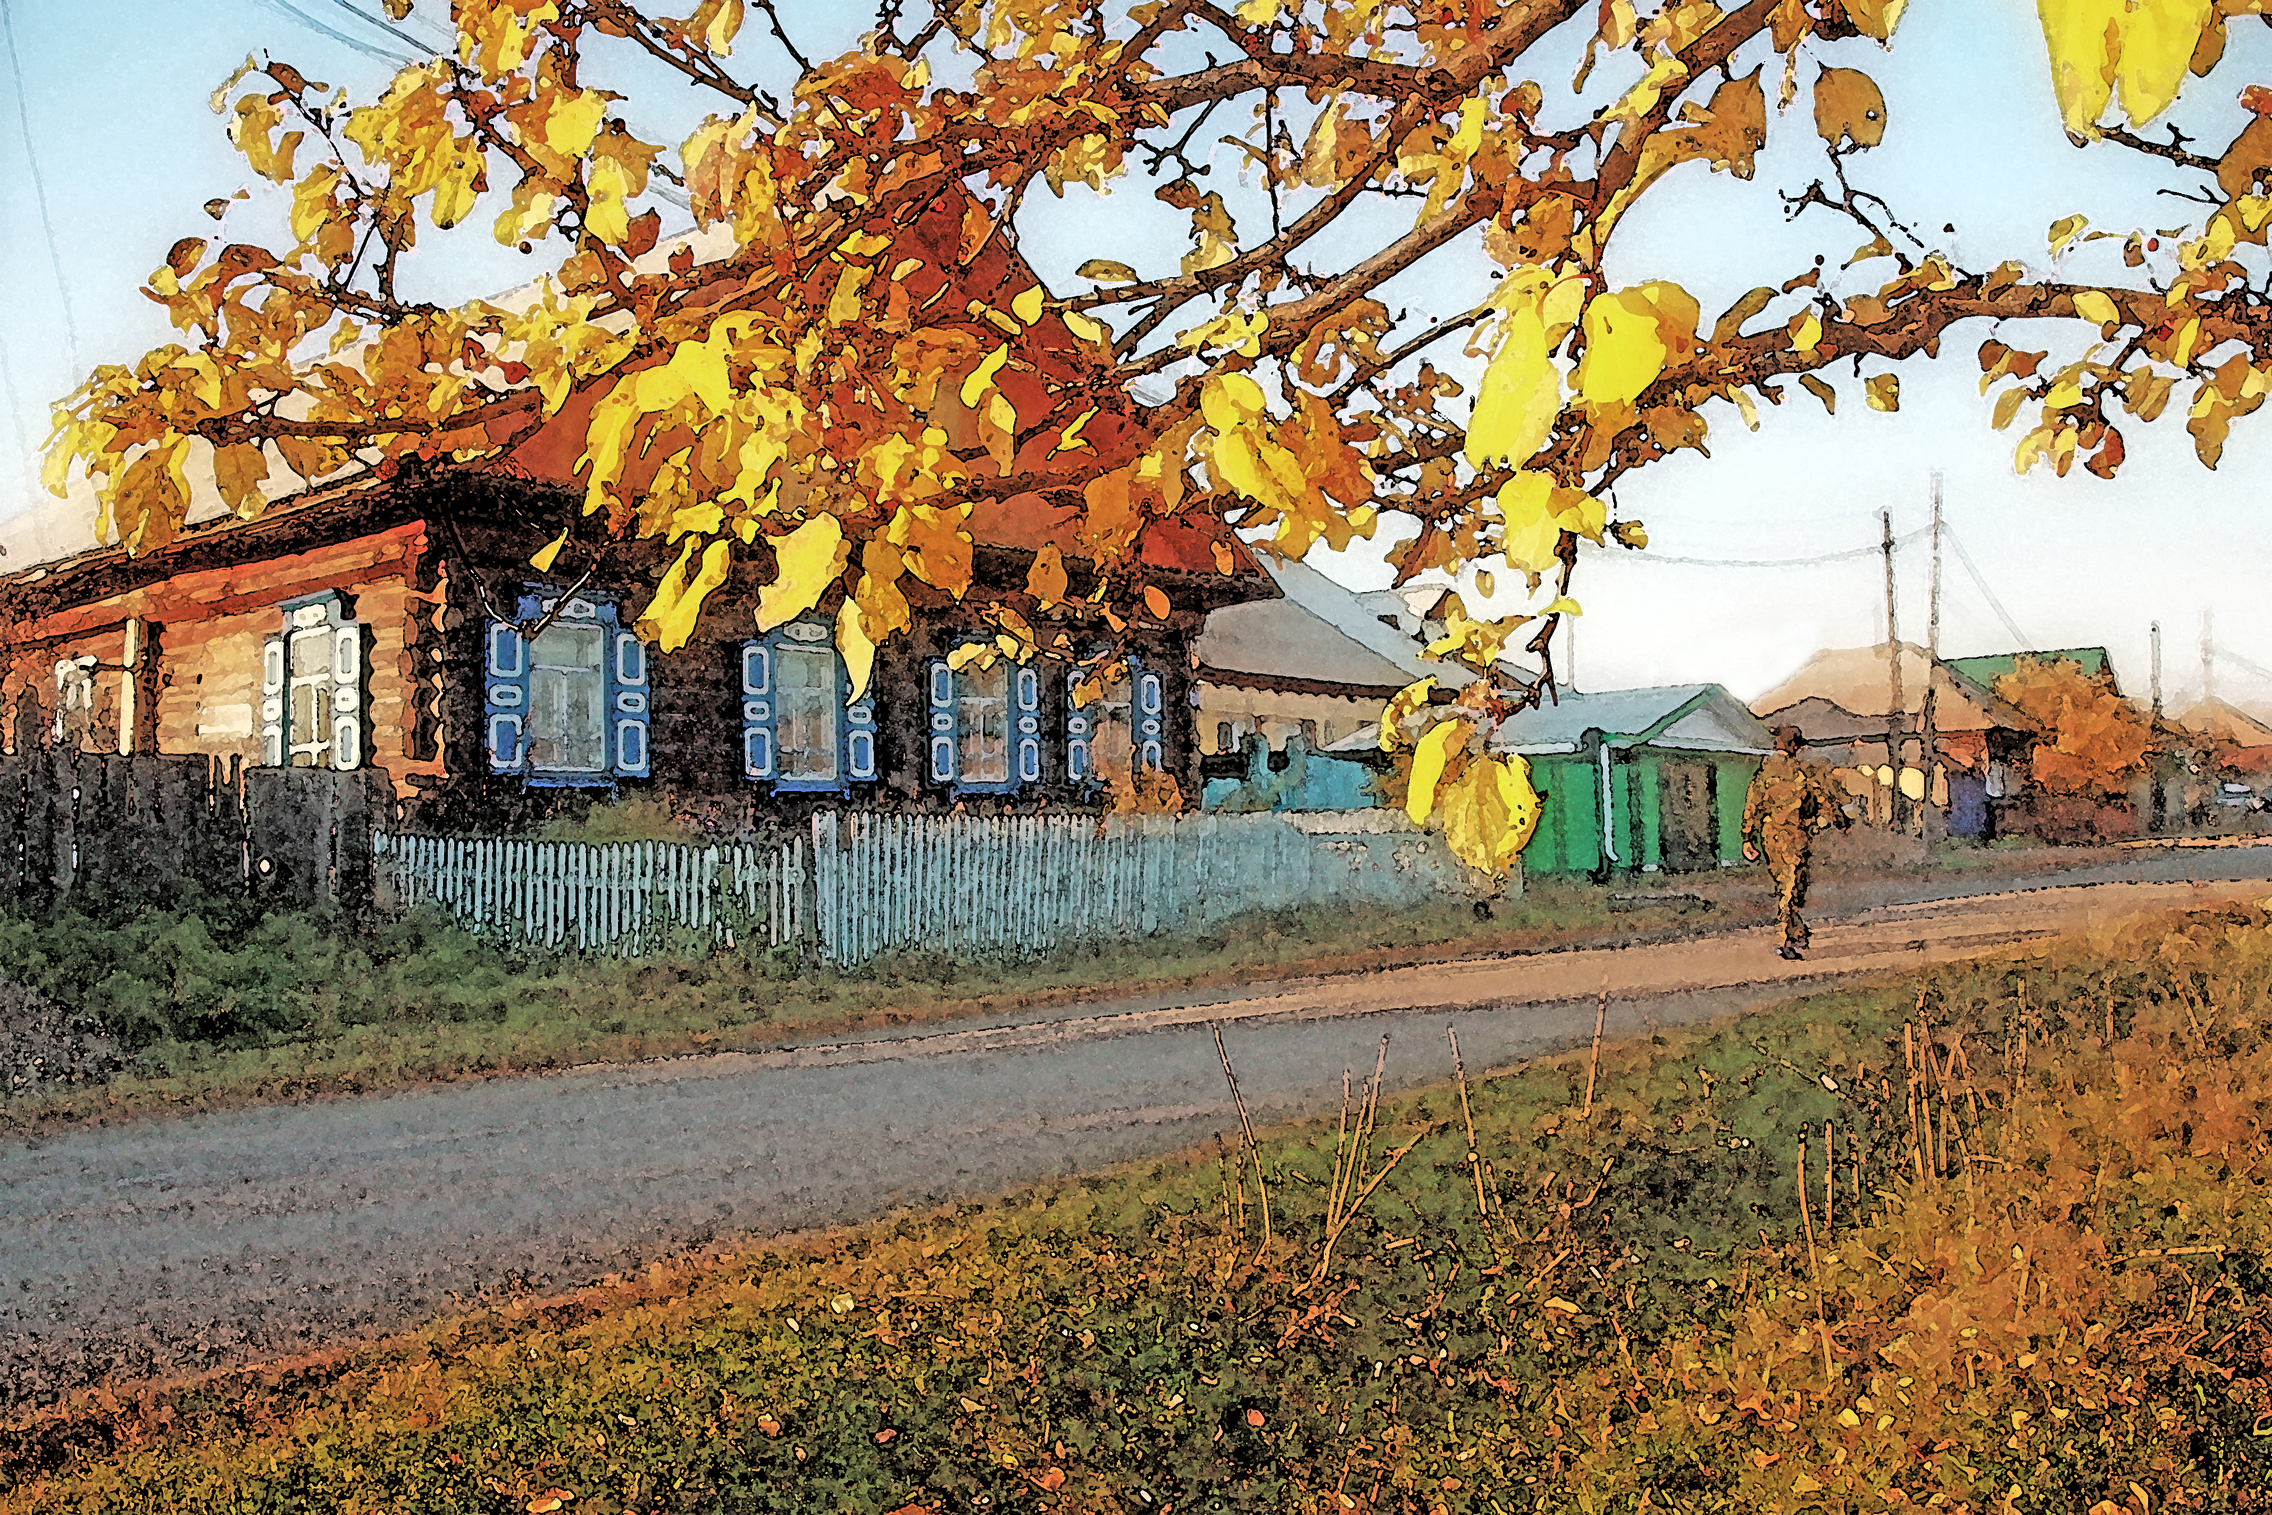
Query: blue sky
pixel 111 111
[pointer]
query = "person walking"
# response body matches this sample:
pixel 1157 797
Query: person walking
pixel 1785 806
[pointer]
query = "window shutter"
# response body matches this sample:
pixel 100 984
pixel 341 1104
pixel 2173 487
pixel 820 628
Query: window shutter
pixel 1078 727
pixel 757 710
pixel 1150 722
pixel 1026 695
pixel 942 721
pixel 628 679
pixel 272 702
pixel 347 697
pixel 505 671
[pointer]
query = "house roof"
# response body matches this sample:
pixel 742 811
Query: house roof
pixel 1691 717
pixel 1673 717
pixel 1854 681
pixel 1985 671
pixel 1318 633
pixel 2226 723
pixel 56 541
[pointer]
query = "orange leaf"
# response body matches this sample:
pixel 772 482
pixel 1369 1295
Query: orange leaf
pixel 1155 601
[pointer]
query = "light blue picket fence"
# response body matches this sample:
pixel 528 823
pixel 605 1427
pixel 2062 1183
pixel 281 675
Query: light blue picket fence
pixel 857 885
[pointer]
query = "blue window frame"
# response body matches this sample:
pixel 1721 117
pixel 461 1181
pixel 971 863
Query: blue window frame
pixel 801 730
pixel 985 726
pixel 1124 725
pixel 568 706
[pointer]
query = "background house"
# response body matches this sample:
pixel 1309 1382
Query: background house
pixel 1638 779
pixel 1317 660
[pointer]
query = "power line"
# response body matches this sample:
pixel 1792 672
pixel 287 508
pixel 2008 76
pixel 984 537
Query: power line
pixel 2226 654
pixel 367 49
pixel 2019 638
pixel 39 184
pixel 1870 551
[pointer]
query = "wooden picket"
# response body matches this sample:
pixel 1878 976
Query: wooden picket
pixel 858 885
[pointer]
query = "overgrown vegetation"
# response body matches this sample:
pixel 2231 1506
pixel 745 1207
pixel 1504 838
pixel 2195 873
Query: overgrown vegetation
pixel 1988 1241
pixel 222 1004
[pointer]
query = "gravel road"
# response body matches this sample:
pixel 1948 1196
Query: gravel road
pixel 168 1246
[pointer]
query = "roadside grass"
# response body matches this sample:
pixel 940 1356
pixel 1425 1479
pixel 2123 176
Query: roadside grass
pixel 226 1007
pixel 1991 1238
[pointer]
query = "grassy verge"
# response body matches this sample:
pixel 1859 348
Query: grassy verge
pixel 226 1008
pixel 1991 1240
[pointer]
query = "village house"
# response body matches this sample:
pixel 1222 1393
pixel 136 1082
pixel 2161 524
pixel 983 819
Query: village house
pixel 396 624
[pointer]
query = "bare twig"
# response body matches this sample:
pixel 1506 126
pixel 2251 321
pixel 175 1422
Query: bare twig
pixel 1593 1067
pixel 1246 1127
pixel 1474 1158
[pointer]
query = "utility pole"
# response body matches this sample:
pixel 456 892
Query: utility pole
pixel 2154 634
pixel 1894 712
pixel 2158 812
pixel 2208 653
pixel 1932 667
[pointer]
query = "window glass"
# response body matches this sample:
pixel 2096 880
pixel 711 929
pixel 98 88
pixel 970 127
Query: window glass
pixel 310 696
pixel 982 724
pixel 1112 749
pixel 567 700
pixel 807 701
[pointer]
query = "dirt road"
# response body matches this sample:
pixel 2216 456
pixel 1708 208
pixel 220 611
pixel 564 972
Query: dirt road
pixel 167 1246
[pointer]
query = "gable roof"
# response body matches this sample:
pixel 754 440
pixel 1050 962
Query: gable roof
pixel 1681 717
pixel 1855 680
pixel 2227 723
pixel 55 540
pixel 1317 632
pixel 1985 671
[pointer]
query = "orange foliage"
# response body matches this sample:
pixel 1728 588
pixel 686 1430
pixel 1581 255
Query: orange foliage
pixel 2092 742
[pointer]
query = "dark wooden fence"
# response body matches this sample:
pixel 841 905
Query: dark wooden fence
pixel 104 831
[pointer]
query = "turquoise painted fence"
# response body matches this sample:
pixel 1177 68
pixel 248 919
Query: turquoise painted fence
pixel 629 898
pixel 858 885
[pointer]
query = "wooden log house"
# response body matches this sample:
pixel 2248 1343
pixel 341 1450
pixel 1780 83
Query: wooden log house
pixel 373 627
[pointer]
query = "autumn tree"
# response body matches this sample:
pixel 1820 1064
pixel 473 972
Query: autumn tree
pixel 790 388
pixel 2092 741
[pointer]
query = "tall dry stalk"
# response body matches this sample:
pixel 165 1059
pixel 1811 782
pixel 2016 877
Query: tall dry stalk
pixel 1822 1322
pixel 1246 1128
pixel 1593 1067
pixel 1474 1157
pixel 1352 1184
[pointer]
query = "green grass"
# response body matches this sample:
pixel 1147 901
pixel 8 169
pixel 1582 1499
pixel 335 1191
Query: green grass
pixel 225 1007
pixel 2037 1283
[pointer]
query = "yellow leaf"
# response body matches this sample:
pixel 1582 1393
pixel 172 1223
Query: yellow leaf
pixel 2065 230
pixel 1876 18
pixel 2142 45
pixel 1258 12
pixel 1404 702
pixel 1806 331
pixel 1428 761
pixel 1106 271
pixel 1084 327
pixel 1883 391
pixel 668 620
pixel 2008 406
pixel 237 472
pixel 856 647
pixel 1563 605
pixel 1045 581
pixel 1848 106
pixel 1624 352
pixel 1490 813
pixel 2093 305
pixel 982 377
pixel 1821 391
pixel 1521 394
pixel 807 560
pixel 1027 307
pixel 544 557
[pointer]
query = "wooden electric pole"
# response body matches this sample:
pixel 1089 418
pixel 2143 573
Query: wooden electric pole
pixel 1932 667
pixel 1894 712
